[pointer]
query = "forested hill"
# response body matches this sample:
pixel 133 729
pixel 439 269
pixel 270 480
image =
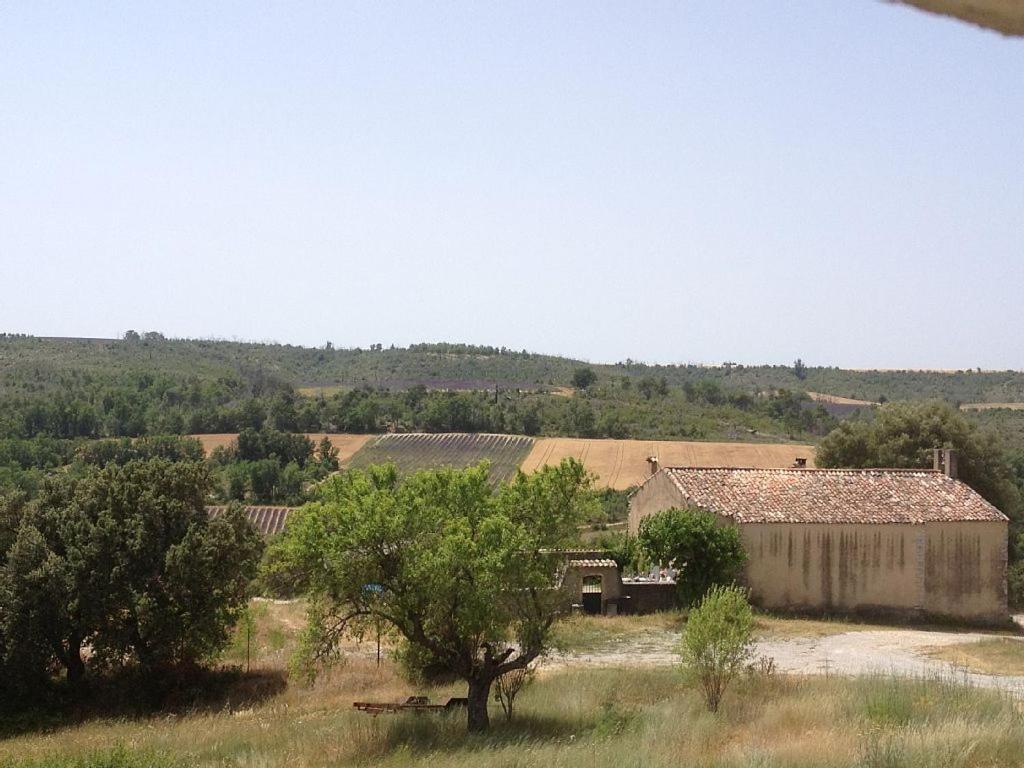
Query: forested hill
pixel 33 363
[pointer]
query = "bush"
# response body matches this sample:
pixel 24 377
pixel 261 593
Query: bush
pixel 704 553
pixel 718 641
pixel 1015 585
pixel 582 378
pixel 508 686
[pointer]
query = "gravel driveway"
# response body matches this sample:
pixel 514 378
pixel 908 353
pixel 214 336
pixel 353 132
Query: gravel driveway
pixel 885 651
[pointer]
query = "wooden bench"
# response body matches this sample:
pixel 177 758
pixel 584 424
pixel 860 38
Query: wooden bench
pixel 417 704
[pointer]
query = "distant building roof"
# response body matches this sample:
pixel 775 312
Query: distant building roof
pixel 831 495
pixel 267 520
pixel 591 563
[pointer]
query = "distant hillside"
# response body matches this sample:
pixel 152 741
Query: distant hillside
pixel 38 362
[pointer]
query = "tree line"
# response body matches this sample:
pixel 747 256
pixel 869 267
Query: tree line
pixel 647 408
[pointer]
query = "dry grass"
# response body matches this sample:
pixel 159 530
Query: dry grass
pixel 997 656
pixel 622 464
pixel 600 718
pixel 597 718
pixel 786 627
pixel 583 634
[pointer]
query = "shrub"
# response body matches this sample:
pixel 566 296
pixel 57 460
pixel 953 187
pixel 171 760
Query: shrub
pixel 508 686
pixel 718 641
pixel 582 378
pixel 704 552
pixel 1015 585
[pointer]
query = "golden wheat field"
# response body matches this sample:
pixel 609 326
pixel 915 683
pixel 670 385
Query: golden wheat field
pixel 621 464
pixel 821 397
pixel 347 445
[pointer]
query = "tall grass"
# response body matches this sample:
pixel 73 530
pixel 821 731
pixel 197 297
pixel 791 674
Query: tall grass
pixel 598 718
pixel 578 718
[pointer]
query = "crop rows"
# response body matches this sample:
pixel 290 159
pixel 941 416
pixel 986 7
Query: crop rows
pixel 415 451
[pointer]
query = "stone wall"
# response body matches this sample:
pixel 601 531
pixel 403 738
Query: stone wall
pixel 647 597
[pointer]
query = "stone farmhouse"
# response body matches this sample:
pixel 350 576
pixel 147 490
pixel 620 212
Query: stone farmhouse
pixel 888 541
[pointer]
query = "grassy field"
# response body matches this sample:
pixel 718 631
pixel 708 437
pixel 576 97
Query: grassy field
pixel 411 452
pixel 596 718
pixel 599 718
pixel 622 464
pixel 1004 656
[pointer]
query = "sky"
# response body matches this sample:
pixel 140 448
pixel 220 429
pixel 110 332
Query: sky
pixel 664 181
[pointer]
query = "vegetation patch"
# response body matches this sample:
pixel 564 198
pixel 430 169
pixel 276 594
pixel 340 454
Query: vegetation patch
pixel 581 633
pixel 997 656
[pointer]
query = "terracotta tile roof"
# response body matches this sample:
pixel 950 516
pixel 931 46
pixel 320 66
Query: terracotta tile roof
pixel 831 495
pixel 603 563
pixel 267 520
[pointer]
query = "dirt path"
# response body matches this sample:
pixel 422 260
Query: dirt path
pixel 882 651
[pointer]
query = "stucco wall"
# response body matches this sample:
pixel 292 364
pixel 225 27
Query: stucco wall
pixel 834 567
pixel 611 584
pixel 965 569
pixel 656 494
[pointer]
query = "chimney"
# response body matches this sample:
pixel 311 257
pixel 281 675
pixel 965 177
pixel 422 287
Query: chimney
pixel 945 460
pixel 800 462
pixel 652 463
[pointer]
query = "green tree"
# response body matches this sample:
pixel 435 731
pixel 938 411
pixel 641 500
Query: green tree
pixel 327 455
pixel 649 386
pixel 903 435
pixel 579 418
pixel 582 378
pixel 454 566
pixel 703 552
pixel 717 641
pixel 126 561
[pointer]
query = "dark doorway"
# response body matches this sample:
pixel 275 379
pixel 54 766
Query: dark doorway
pixel 592 594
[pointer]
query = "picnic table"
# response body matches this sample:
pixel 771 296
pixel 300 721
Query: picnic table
pixel 417 704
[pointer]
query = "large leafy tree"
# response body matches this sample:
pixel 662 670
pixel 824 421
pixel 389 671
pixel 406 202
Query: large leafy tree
pixel 704 553
pixel 126 561
pixel 454 566
pixel 904 434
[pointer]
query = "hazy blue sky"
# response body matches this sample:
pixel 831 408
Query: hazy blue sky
pixel 679 181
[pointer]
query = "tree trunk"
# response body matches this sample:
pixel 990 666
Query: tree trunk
pixel 75 665
pixel 479 695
